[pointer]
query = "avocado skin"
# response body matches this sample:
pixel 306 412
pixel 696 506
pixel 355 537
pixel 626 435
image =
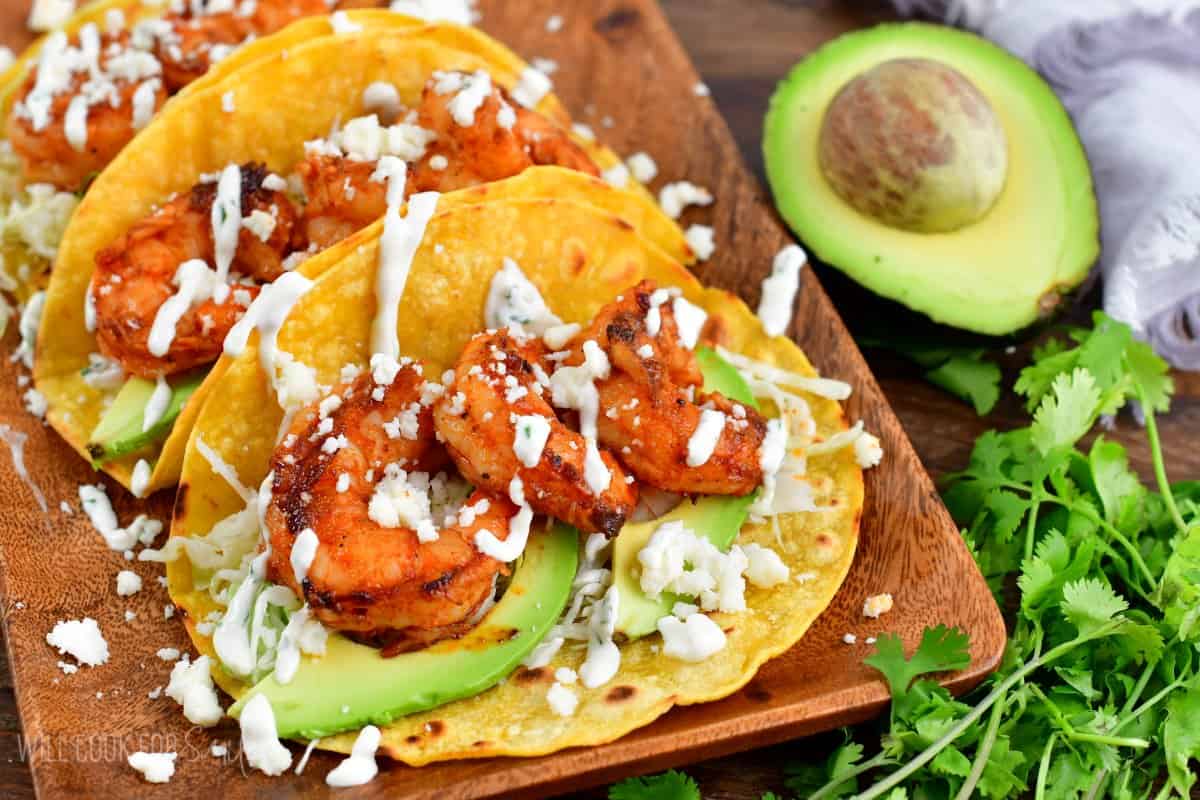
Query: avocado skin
pixel 719 519
pixel 378 690
pixel 997 276
pixel 119 432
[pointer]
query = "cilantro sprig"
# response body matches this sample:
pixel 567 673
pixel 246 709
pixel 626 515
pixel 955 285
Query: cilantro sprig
pixel 1098 694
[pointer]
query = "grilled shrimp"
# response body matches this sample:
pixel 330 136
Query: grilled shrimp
pixel 341 198
pixel 48 156
pixel 135 275
pixel 382 583
pixel 489 150
pixel 191 42
pixel 498 379
pixel 647 411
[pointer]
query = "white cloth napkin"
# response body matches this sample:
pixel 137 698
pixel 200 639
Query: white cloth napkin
pixel 1128 71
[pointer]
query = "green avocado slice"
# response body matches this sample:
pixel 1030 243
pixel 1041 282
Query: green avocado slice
pixel 119 432
pixel 717 518
pixel 996 275
pixel 352 685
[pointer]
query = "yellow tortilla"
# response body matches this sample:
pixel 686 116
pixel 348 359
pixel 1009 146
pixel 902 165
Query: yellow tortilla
pixel 280 101
pixel 580 258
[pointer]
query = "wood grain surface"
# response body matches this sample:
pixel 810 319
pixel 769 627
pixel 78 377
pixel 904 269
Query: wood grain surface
pixel 741 48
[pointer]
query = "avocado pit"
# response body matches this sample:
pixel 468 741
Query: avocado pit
pixel 913 144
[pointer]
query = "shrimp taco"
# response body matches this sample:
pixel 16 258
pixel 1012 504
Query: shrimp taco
pixel 547 487
pixel 76 97
pixel 282 162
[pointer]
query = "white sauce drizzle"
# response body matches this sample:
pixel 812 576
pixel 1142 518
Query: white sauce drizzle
pixel 224 469
pixel 397 247
pixel 226 226
pixel 530 435
pixel 779 290
pixel 514 302
pixel 703 440
pixel 140 480
pixel 231 639
pixel 156 406
pixel 75 123
pixel 304 550
pixel 260 741
pixel 689 319
pixel 511 548
pixel 196 283
pixel 267 314
pixel 574 388
pixel 603 656
pixel 16 448
pixel 359 767
pixel 89 310
pixel 31 319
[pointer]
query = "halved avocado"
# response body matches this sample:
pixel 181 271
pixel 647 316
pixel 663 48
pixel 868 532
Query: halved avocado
pixel 717 518
pixel 352 685
pixel 995 268
pixel 119 432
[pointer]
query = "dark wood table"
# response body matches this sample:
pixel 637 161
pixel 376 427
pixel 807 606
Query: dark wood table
pixel 742 47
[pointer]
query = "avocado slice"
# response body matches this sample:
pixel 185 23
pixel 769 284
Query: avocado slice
pixel 717 518
pixel 352 685
pixel 993 268
pixel 119 432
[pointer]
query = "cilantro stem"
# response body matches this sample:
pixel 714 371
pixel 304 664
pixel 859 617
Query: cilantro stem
pixel 1156 455
pixel 1094 790
pixel 972 716
pixel 1114 532
pixel 1165 792
pixel 1074 735
pixel 878 760
pixel 1138 688
pixel 1039 790
pixel 983 752
pixel 1035 500
pixel 1157 698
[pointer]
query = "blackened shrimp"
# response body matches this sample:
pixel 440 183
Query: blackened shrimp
pixel 491 414
pixel 341 198
pixel 651 409
pixel 53 148
pixel 188 44
pixel 354 476
pixel 137 274
pixel 502 139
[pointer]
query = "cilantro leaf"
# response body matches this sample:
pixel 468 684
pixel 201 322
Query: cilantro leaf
pixel 1181 737
pixel 1151 373
pixel 1179 591
pixel 1007 510
pixel 1119 489
pixel 1054 564
pixel 1067 413
pixel 941 649
pixel 670 785
pixel 1089 604
pixel 804 779
pixel 961 370
pixel 968 376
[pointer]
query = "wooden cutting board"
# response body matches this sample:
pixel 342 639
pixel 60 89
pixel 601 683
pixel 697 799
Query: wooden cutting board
pixel 623 72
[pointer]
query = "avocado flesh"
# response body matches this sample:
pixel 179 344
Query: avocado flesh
pixel 995 276
pixel 119 432
pixel 377 690
pixel 716 518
